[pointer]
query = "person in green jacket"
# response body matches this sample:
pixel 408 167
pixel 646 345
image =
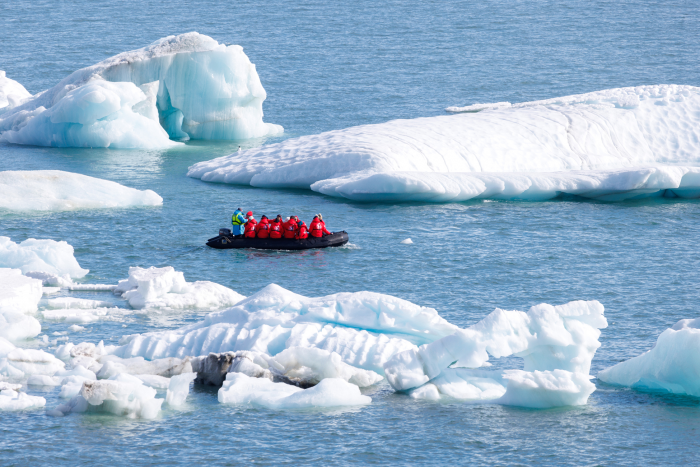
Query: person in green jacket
pixel 238 221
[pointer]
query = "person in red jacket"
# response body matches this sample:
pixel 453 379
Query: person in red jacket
pixel 276 227
pixel 263 228
pixel 302 231
pixel 250 226
pixel 290 228
pixel 318 228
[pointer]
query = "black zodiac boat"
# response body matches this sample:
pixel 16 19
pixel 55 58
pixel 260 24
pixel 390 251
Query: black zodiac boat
pixel 225 241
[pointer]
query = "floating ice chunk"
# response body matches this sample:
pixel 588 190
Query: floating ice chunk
pixel 672 365
pixel 479 107
pixel 547 337
pixel 52 280
pixel 12 93
pixel 84 315
pixel 179 388
pixel 76 328
pixel 50 290
pixel 92 287
pixel 17 326
pixel 124 398
pixel 311 366
pixel 545 389
pixel 11 400
pixel 154 381
pixel 21 363
pixel 463 384
pixel 331 392
pixel 364 328
pixel 185 86
pixel 609 145
pixel 72 302
pixel 167 288
pixel 56 190
pixel 408 241
pixel 17 292
pixel 40 256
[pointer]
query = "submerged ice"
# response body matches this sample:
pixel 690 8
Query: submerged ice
pixel 179 87
pixel 56 190
pixel 609 145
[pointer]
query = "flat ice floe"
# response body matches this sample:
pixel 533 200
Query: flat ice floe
pixel 179 87
pixel 609 145
pixel 48 260
pixel 55 190
pixel 672 365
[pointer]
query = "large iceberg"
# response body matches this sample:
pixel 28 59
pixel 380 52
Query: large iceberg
pixel 55 190
pixel 609 145
pixel 179 87
pixel 672 365
pixel 12 93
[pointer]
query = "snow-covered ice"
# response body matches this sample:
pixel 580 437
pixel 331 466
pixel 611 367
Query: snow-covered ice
pixel 12 93
pixel 180 87
pixel 167 288
pixel 56 190
pixel 479 107
pixel 408 241
pixel 364 328
pixel 260 392
pixel 672 365
pixel 17 292
pixel 45 256
pixel 12 399
pixel 609 145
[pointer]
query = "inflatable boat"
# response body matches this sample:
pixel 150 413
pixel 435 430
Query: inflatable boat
pixel 226 241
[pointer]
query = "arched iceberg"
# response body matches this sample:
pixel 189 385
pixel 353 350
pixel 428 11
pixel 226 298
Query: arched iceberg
pixel 179 87
pixel 609 145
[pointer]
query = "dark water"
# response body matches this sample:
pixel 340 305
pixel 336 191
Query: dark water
pixel 332 65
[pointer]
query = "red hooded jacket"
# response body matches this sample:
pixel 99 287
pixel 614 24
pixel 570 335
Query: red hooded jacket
pixel 318 228
pixel 250 228
pixel 302 231
pixel 263 228
pixel 275 229
pixel 290 229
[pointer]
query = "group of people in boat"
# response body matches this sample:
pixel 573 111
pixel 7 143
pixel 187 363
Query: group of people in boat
pixel 290 228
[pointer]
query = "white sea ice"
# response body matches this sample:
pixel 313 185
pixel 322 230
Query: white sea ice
pixel 672 365
pixel 364 328
pixel 19 363
pixel 124 396
pixel 167 288
pixel 18 293
pixel 547 337
pixel 179 388
pixel 56 190
pixel 12 93
pixel 260 392
pixel 408 241
pixel 11 400
pixel 48 256
pixel 478 107
pixel 609 145
pixel 180 87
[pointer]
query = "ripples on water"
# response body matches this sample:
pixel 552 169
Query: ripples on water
pixel 328 66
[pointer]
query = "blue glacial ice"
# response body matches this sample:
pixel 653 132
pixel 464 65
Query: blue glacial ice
pixel 672 365
pixel 179 87
pixel 609 145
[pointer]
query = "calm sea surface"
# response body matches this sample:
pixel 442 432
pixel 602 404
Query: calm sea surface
pixel 330 65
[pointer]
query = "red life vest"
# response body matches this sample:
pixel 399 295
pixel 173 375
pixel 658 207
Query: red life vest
pixel 303 232
pixel 275 229
pixel 290 229
pixel 263 229
pixel 250 228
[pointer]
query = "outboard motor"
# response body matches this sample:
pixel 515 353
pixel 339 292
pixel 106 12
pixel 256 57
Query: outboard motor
pixel 225 232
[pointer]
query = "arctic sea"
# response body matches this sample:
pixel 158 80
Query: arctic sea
pixel 331 65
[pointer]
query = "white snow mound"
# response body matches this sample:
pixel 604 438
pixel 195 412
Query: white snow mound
pixel 48 256
pixel 180 87
pixel 610 145
pixel 12 93
pixel 167 288
pixel 672 365
pixel 260 392
pixel 55 190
